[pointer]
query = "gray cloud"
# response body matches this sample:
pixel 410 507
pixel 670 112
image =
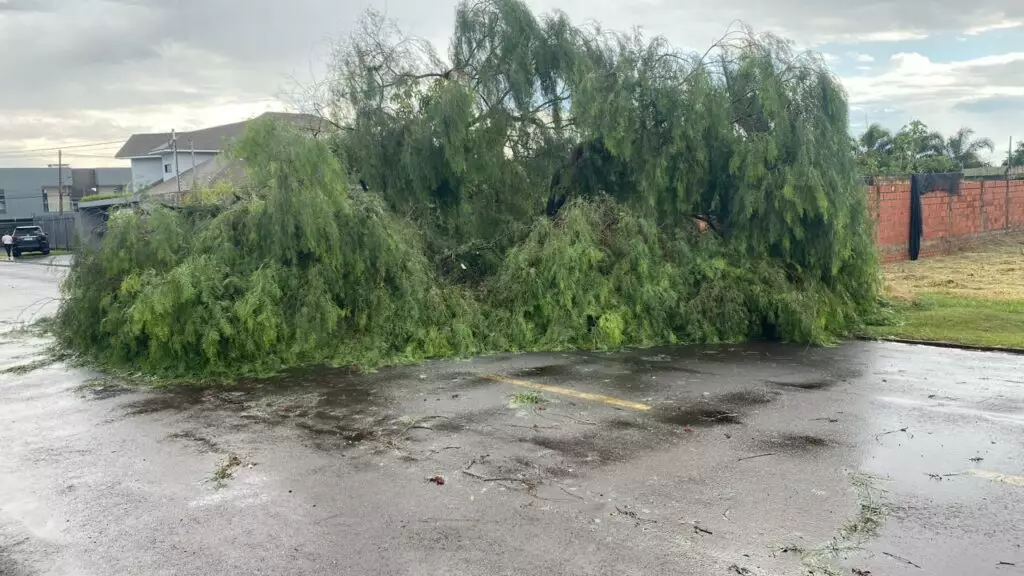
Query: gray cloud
pixel 1008 74
pixel 112 58
pixel 994 105
pixel 25 5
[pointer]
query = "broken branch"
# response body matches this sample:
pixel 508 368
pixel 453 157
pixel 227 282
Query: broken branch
pixel 757 456
pixel 902 559
pixel 887 432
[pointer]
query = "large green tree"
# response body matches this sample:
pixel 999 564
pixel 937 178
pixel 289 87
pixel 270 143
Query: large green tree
pixel 538 186
pixel 525 112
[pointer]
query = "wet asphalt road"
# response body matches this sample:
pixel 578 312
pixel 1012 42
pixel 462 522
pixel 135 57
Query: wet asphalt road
pixel 746 462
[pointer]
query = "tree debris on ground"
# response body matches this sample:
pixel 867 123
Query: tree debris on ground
pixel 542 186
pixel 873 509
pixel 887 432
pixel 902 559
pixel 226 469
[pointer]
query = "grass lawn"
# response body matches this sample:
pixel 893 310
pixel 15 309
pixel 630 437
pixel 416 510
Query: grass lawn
pixel 974 298
pixel 938 318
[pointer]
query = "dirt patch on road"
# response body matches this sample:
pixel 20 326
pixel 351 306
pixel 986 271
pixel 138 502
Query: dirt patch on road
pixel 728 408
pixel 810 384
pixel 548 371
pixel 750 397
pixel 180 399
pixel 698 416
pixel 203 443
pixel 586 448
pixel 794 443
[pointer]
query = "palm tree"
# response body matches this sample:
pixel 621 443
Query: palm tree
pixel 876 139
pixel 964 152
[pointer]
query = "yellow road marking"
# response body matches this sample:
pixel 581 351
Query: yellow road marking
pixel 570 392
pixel 998 477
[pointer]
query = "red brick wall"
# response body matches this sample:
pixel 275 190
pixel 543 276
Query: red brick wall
pixel 951 221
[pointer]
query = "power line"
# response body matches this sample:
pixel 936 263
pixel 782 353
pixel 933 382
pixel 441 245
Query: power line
pixel 110 150
pixel 56 148
pixel 109 157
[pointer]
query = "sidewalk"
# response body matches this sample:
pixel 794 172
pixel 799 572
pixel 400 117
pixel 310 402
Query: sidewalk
pixel 62 260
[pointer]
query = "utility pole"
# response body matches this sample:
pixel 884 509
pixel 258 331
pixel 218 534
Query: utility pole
pixel 177 174
pixel 60 181
pixel 192 149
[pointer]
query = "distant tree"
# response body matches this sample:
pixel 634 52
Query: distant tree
pixel 876 139
pixel 963 150
pixel 916 148
pixel 1017 158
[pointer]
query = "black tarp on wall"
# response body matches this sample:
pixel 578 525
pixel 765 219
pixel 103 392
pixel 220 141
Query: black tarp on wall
pixel 921 184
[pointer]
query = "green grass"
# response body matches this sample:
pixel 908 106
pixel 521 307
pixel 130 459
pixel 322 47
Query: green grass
pixel 96 197
pixel 939 318
pixel 521 398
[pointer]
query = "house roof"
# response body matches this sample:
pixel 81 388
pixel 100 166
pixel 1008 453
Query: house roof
pixel 215 138
pixel 214 171
pixel 141 144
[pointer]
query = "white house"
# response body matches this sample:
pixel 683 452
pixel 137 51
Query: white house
pixel 152 155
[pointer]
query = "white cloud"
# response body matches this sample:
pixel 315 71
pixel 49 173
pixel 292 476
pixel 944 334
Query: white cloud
pixel 984 93
pixel 865 58
pixel 882 36
pixel 1002 25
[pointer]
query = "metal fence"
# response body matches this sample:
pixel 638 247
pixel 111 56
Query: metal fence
pixel 60 228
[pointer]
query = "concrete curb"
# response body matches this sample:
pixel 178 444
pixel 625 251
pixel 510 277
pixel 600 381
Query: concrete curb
pixel 34 262
pixel 941 344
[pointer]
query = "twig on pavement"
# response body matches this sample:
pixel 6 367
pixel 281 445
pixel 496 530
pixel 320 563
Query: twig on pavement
pixel 941 476
pixel 701 530
pixel 902 559
pixel 528 483
pixel 887 432
pixel 573 418
pixel 757 456
pixel 563 489
pixel 634 515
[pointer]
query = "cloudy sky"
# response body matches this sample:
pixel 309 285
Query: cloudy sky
pixel 76 72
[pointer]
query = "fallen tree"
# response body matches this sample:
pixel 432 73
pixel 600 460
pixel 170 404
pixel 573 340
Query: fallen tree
pixel 543 187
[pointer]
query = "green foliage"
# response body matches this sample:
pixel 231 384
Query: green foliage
pixel 98 197
pixel 916 149
pixel 456 247
pixel 523 398
pixel 1017 157
pixel 299 271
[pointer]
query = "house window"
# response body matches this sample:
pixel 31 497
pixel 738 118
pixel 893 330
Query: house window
pixel 119 189
pixel 3 201
pixel 167 168
pixel 46 202
pixel 74 205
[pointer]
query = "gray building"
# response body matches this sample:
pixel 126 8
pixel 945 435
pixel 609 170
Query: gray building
pixel 154 161
pixel 26 193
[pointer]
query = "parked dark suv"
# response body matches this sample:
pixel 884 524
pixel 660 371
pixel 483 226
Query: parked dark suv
pixel 30 239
